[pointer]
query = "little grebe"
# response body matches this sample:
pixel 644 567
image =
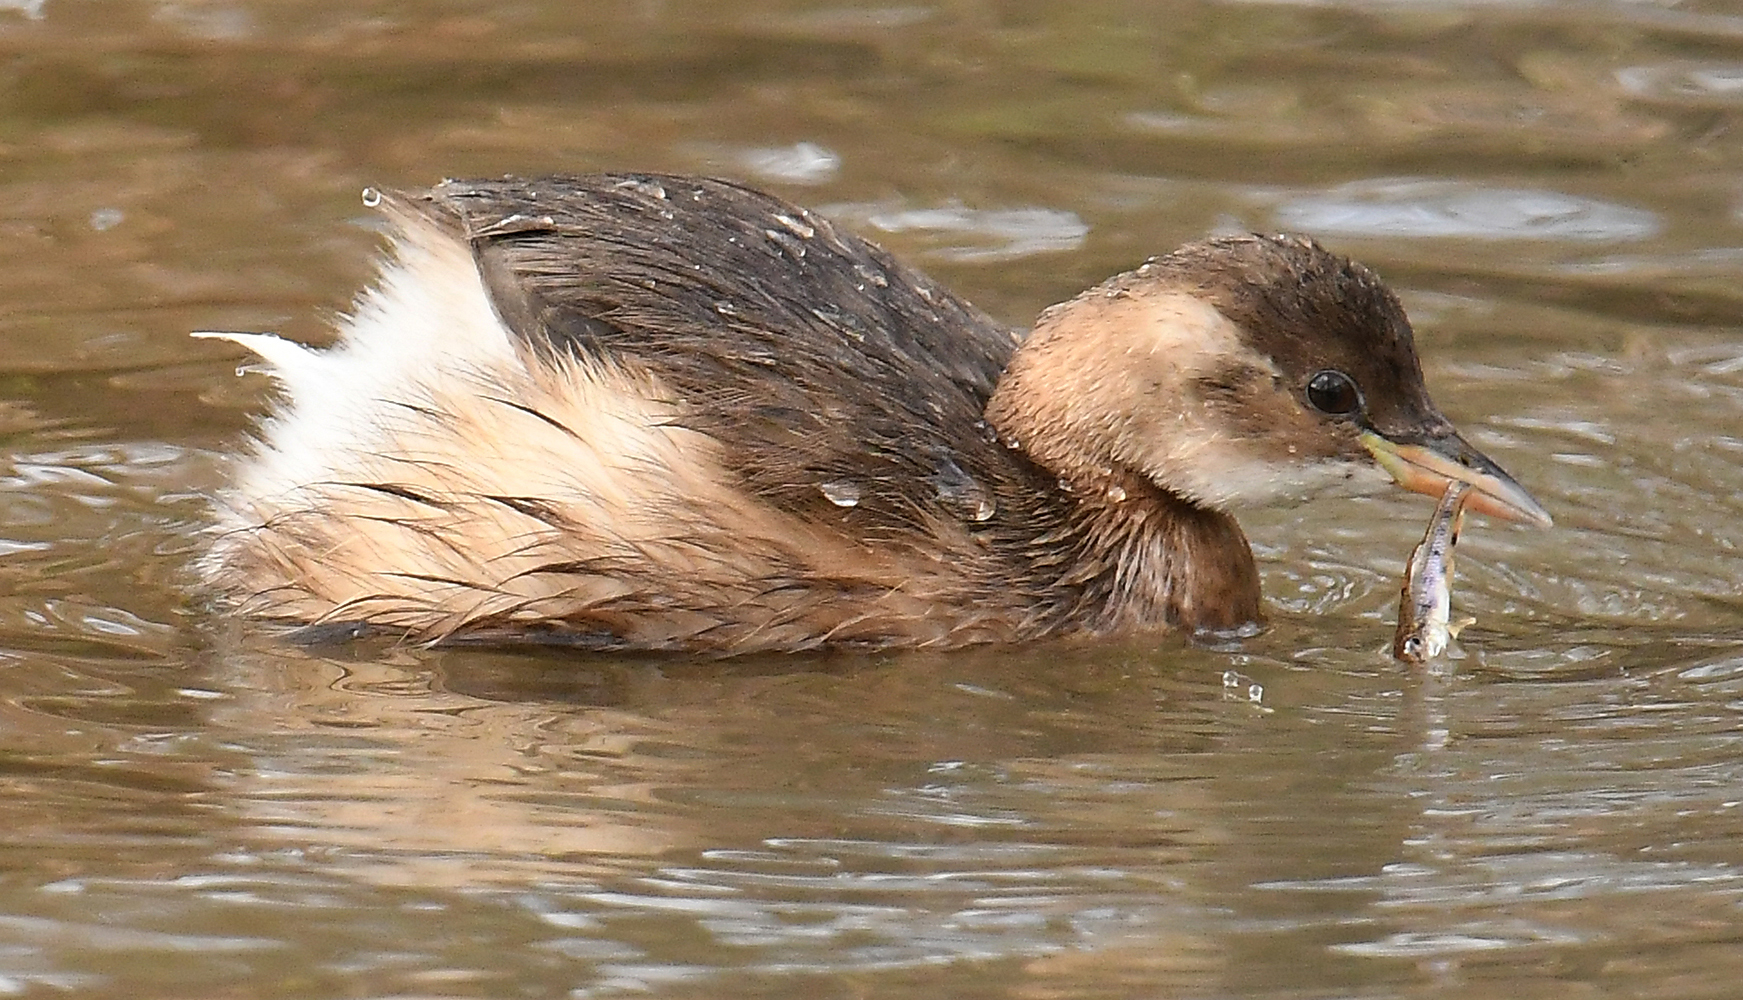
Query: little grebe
pixel 675 413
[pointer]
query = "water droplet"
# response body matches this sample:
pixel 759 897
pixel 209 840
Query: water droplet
pixel 841 494
pixel 648 188
pixel 960 490
pixel 799 229
pixel 371 197
pixel 1116 493
pixel 725 308
pixel 1237 684
pixel 786 242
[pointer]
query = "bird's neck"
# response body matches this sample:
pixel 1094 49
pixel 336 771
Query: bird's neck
pixel 1129 552
pixel 1122 554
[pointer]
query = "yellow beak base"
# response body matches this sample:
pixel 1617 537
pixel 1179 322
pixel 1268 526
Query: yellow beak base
pixel 1430 464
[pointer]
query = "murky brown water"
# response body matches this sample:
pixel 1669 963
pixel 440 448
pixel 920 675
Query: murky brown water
pixel 191 810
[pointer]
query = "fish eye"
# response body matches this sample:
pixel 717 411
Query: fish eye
pixel 1334 393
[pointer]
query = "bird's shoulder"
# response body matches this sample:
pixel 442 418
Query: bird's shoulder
pixel 839 382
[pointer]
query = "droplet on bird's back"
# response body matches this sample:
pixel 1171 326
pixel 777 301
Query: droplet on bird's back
pixel 799 229
pixel 962 492
pixel 650 189
pixel 841 494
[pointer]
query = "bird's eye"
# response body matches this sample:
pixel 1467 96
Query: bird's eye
pixel 1332 392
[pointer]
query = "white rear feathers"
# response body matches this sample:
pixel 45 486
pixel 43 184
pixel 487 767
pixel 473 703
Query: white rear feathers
pixel 425 475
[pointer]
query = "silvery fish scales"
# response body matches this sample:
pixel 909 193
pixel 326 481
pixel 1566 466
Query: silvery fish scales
pixel 1425 603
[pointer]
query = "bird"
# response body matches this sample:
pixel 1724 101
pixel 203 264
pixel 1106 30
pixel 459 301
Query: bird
pixel 640 411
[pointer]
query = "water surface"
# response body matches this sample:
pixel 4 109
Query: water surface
pixel 194 809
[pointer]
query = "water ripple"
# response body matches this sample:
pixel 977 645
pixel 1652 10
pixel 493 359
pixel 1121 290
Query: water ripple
pixel 977 235
pixel 1703 84
pixel 1457 209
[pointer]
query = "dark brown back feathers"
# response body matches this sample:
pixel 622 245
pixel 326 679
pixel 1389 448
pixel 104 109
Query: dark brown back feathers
pixel 813 356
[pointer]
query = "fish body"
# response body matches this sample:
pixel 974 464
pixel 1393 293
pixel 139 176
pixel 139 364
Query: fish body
pixel 1425 624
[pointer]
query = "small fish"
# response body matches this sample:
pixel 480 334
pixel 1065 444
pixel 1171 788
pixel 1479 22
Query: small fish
pixel 1425 622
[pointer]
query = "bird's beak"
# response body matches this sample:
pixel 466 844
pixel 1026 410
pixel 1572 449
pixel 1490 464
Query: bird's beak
pixel 1427 464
